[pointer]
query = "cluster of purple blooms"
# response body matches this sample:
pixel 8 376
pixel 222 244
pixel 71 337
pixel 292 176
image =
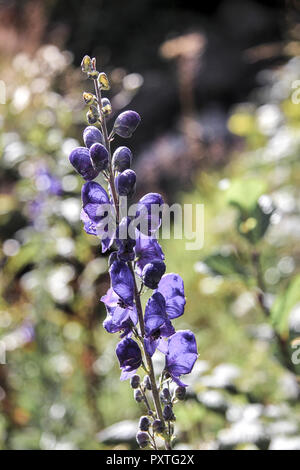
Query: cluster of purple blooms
pixel 136 264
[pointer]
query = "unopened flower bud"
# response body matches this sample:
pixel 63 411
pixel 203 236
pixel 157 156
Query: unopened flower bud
pixel 126 123
pixel 89 98
pixel 103 81
pixel 99 156
pixel 126 182
pixel 92 115
pixel 147 382
pixel 138 396
pixel 135 381
pixel 165 395
pixel 142 438
pixel 106 106
pixel 158 426
pixel 144 423
pixel 168 413
pixel 80 159
pixel 122 159
pixel 86 64
pixel 152 273
pixel 91 135
pixel 93 75
pixel 180 393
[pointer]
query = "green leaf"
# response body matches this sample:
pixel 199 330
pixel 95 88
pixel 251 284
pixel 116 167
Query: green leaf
pixel 244 193
pixel 226 264
pixel 283 305
pixel 254 225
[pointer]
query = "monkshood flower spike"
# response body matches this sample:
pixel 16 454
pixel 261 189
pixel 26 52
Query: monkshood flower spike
pixel 136 265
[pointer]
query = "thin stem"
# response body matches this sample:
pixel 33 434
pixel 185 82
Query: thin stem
pixel 146 400
pixel 282 343
pixel 107 145
pixel 148 358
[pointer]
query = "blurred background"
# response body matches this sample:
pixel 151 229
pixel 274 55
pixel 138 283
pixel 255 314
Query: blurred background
pixel 216 84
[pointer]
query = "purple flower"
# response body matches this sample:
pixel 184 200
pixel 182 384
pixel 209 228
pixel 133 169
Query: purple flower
pixel 130 357
pixel 97 214
pixel 122 159
pixel 122 282
pixel 80 159
pixel 91 135
pixel 125 183
pixel 118 318
pixel 172 288
pixel 152 273
pixel 146 250
pixel 124 241
pixel 181 355
pixel 149 213
pixel 95 201
pixel 99 156
pixel 157 324
pixel 126 123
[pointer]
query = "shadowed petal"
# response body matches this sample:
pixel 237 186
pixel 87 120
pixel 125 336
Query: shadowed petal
pixel 122 281
pixel 181 355
pixel 155 313
pixel 172 288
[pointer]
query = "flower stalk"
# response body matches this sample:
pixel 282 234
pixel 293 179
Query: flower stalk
pixel 138 259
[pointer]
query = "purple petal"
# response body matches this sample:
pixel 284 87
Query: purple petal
pixel 88 225
pixel 110 299
pixel 155 313
pixel 182 353
pixel 122 281
pixel 95 200
pixel 92 135
pixel 149 213
pixel 150 345
pixel 80 159
pixel 172 288
pixel 146 249
pixel 129 355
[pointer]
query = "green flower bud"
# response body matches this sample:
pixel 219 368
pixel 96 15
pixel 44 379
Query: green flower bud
pixel 103 81
pixel 89 98
pixel 93 75
pixel 86 64
pixel 106 106
pixel 92 115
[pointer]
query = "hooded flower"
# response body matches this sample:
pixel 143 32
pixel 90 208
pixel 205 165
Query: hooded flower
pixel 80 159
pixel 172 288
pixel 98 214
pixel 125 183
pixel 146 250
pixel 130 357
pixel 122 282
pixel 181 355
pixel 92 135
pixel 126 123
pixel 149 213
pixel 152 273
pixel 122 159
pixel 157 324
pixel 118 318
